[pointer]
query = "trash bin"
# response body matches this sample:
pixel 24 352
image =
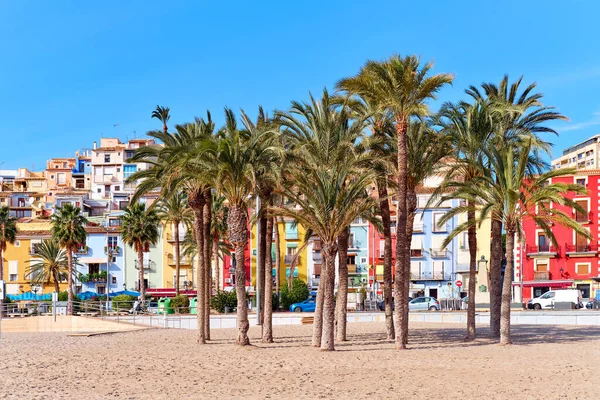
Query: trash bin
pixel 164 306
pixel 194 306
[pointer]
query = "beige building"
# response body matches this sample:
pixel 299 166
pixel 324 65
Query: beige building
pixel 584 155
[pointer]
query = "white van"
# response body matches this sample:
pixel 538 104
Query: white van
pixel 547 300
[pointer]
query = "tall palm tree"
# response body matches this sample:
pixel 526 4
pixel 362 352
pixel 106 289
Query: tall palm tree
pixel 180 165
pixel 508 191
pixel 330 177
pixel 218 230
pixel 402 86
pixel 469 129
pixel 517 116
pixel 236 162
pixel 174 210
pixel 139 228
pixel 68 229
pixel 51 264
pixel 8 234
pixel 162 114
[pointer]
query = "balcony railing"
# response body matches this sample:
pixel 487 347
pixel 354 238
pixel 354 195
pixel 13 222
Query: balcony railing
pixel 542 248
pixel 438 253
pixel 148 265
pixel 429 276
pixel 417 228
pixel 541 276
pixel 184 261
pixel 288 258
pixel 81 250
pixel 318 258
pixel 583 217
pixel 171 237
pixel 581 248
pixel 113 249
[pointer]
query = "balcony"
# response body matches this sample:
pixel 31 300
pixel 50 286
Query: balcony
pixel 95 278
pixel 416 253
pixel 317 258
pixel 417 228
pixel 543 250
pixel 183 261
pixel 105 179
pixel 113 249
pixel 434 275
pixel 583 218
pixel 541 276
pixel 82 249
pixel 438 253
pixel 148 265
pixel 581 250
pixel 289 257
pixel 171 237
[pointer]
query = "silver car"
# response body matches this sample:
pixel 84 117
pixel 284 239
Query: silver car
pixel 424 303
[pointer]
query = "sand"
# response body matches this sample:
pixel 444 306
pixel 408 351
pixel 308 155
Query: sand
pixel 546 362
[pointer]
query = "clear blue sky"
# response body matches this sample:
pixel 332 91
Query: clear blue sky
pixel 71 70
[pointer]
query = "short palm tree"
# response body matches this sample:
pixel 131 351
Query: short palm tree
pixel 509 192
pixel 68 230
pixel 174 210
pixel 51 264
pixel 8 234
pixel 400 85
pixel 162 114
pixel 139 228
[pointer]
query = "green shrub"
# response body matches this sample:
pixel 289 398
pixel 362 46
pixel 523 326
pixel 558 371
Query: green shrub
pixel 298 293
pixel 64 296
pixel 123 302
pixel 224 299
pixel 180 304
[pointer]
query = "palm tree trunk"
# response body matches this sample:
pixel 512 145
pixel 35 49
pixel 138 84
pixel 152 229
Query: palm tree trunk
pixel 70 282
pixel 260 267
pixel 207 216
pixel 507 288
pixel 177 258
pixel 267 336
pixel 401 248
pixel 56 285
pixel 2 245
pixel 217 266
pixel 277 254
pixel 411 208
pixel 140 256
pixel 237 221
pixel 495 278
pixel 327 338
pixel 472 237
pixel 342 295
pixel 318 315
pixel 196 203
pixel 384 207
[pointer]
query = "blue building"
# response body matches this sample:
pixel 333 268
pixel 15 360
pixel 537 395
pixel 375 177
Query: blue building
pixel 433 268
pixel 94 256
pixel 358 250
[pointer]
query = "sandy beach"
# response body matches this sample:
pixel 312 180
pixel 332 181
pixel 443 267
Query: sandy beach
pixel 546 362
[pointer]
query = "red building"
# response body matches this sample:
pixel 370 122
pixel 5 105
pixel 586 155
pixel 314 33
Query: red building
pixel 573 262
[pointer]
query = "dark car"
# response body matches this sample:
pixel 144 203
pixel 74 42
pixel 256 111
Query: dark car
pixel 381 304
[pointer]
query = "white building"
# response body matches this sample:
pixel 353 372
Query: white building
pixel 584 155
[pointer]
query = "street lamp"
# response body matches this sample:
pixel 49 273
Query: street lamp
pixel 185 286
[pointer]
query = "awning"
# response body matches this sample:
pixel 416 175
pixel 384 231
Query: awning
pixel 92 260
pixel 292 244
pixel 555 284
pixel 95 203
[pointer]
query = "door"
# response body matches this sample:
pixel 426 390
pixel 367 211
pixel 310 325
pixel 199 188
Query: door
pixel 543 244
pixel 547 300
pixel 433 293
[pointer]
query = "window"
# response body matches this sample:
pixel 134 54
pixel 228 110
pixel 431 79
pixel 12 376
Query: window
pixel 582 268
pixel 93 268
pixel 112 242
pixel 17 243
pixel 543 244
pixel 548 295
pixel 107 158
pixel 351 260
pixel 99 190
pixel 582 216
pixel 117 188
pixel 113 280
pixel 129 170
pixel 543 208
pixel 541 265
pixel 291 251
pixel 363 260
pixel 118 169
pixel 580 181
pixel 464 240
pixel 61 178
pixel 101 289
pixel 291 231
pixel 52 177
pixel 437 227
pixel 416 246
pixel 13 271
pixel 351 242
pixel 13 277
pixel 581 243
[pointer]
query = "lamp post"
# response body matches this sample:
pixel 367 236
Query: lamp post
pixel 482 266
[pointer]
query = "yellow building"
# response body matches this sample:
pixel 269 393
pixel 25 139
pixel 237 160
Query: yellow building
pixel 17 259
pixel 482 290
pixel 186 273
pixel 291 242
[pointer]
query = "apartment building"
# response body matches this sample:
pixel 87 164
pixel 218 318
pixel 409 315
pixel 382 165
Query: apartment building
pixel 584 155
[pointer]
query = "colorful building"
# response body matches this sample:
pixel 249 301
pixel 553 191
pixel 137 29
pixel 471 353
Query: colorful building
pixel 186 273
pixel 573 262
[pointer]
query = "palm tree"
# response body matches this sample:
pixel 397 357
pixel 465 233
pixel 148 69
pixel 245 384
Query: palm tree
pixel 162 114
pixel 402 86
pixel 330 177
pixel 468 128
pixel 51 264
pixel 218 231
pixel 517 116
pixel 139 228
pixel 239 156
pixel 174 210
pixel 8 234
pixel 180 165
pixel 68 230
pixel 510 192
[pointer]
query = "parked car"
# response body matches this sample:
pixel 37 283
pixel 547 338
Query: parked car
pixel 307 305
pixel 381 304
pixel 547 300
pixel 152 307
pixel 590 304
pixel 424 303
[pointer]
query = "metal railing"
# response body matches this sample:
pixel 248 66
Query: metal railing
pixel 542 248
